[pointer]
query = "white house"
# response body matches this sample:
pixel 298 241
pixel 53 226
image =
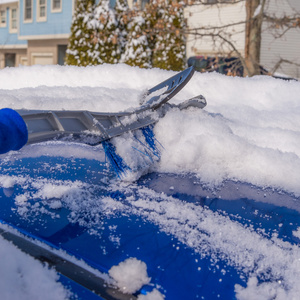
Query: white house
pixel 273 49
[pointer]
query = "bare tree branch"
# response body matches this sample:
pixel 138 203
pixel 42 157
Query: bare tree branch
pixel 286 21
pixel 281 61
pixel 252 26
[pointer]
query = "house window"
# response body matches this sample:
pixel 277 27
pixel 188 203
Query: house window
pixel 13 20
pixel 61 53
pixel 2 18
pixel 56 5
pixel 10 60
pixel 28 10
pixel 41 10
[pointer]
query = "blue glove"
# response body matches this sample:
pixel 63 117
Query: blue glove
pixel 13 131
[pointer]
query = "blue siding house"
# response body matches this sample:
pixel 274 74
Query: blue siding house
pixel 12 49
pixel 34 31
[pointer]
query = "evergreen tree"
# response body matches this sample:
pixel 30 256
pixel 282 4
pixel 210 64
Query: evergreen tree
pixel 150 38
pixel 82 40
pixel 169 51
pixel 137 51
pixel 152 14
pixel 123 16
pixel 107 48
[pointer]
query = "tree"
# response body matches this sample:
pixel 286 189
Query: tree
pixel 144 38
pixel 170 44
pixel 137 51
pixel 82 40
pixel 259 20
pixel 123 16
pixel 107 49
pixel 152 14
pixel 254 20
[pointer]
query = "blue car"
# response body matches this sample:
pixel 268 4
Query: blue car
pixel 159 236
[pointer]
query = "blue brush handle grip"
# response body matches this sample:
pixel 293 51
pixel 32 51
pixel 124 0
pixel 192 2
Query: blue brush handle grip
pixel 13 131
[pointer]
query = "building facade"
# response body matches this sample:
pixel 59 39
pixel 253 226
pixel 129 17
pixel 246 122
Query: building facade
pixel 37 32
pixel 34 31
pixel 13 51
pixel 229 19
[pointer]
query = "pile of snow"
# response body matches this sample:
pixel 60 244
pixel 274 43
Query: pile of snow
pixel 249 131
pixel 130 276
pixel 22 277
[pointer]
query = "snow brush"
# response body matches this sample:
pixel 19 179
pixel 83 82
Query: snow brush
pixel 18 128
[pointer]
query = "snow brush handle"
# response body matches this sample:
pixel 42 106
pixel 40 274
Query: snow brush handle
pixel 13 131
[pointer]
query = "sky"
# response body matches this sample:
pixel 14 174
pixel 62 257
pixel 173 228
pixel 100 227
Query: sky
pixel 248 132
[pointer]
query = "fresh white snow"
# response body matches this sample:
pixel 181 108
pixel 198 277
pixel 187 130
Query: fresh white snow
pixel 249 132
pixel 130 275
pixel 21 277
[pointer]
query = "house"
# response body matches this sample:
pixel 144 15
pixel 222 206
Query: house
pixel 13 51
pixel 37 31
pixel 34 31
pixel 217 15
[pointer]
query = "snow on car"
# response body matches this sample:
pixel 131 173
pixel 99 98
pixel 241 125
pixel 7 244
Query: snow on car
pixel 217 216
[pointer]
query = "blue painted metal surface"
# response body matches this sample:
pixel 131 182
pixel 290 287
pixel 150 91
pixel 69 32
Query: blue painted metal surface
pixel 105 238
